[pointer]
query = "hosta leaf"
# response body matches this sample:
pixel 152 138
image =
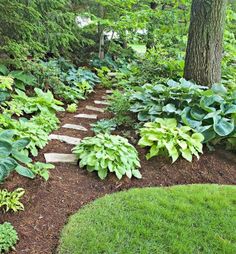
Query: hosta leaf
pixel 5 148
pixel 223 127
pixel 25 172
pixel 137 174
pixel 187 154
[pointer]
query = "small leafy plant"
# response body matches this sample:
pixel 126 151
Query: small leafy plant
pixel 13 155
pixel 72 108
pixel 108 153
pixel 11 200
pixel 165 138
pixel 41 169
pixel 119 105
pixel 104 126
pixel 8 237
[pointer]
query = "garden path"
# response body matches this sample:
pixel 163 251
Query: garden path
pixel 49 204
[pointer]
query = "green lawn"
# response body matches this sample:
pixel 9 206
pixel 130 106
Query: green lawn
pixel 181 219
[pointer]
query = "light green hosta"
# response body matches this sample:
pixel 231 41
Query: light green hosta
pixel 108 153
pixel 165 138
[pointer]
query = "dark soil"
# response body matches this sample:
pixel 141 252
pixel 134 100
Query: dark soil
pixel 49 204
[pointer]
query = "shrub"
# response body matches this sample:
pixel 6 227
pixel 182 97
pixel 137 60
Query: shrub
pixel 11 200
pixel 8 237
pixel 165 138
pixel 108 153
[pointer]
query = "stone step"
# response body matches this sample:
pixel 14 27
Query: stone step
pixel 105 97
pixel 60 158
pixel 101 102
pixel 86 116
pixel 109 91
pixel 66 139
pixel 75 127
pixel 95 109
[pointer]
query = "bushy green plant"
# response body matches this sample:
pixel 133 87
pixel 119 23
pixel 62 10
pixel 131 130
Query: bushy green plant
pixel 119 105
pixel 41 169
pixel 208 111
pixel 108 153
pixel 8 237
pixel 13 155
pixel 164 137
pixel 11 200
pixel 42 101
pixel 46 120
pixel 72 108
pixel 104 126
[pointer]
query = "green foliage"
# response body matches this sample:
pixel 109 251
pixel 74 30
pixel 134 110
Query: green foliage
pixel 41 169
pixel 8 237
pixel 208 111
pixel 107 153
pixel 21 103
pixel 46 121
pixel 11 200
pixel 164 137
pixel 13 155
pixel 104 126
pixel 72 108
pixel 119 105
pixel 33 28
pixel 180 219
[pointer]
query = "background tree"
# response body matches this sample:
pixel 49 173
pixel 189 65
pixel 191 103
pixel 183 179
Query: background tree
pixel 205 41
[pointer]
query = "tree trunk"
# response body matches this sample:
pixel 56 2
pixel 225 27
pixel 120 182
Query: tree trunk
pixel 150 32
pixel 205 41
pixel 101 53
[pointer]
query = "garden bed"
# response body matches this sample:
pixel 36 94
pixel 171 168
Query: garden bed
pixel 48 204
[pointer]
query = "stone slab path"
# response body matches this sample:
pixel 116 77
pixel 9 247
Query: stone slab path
pixel 95 109
pixel 75 127
pixel 71 158
pixel 66 139
pixel 101 102
pixel 60 158
pixel 86 116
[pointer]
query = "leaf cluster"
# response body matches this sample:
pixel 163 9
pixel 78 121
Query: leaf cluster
pixel 106 153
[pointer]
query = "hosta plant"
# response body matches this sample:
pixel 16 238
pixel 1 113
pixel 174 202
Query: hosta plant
pixel 41 169
pixel 164 137
pixel 104 126
pixel 106 153
pixel 11 200
pixel 13 155
pixel 8 237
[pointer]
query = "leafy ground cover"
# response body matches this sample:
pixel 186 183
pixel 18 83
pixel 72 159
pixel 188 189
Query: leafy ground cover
pixel 182 219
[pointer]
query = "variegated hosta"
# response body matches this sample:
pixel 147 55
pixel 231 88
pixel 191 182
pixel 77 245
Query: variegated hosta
pixel 108 153
pixel 164 137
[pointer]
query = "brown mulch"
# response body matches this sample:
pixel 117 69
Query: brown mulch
pixel 49 204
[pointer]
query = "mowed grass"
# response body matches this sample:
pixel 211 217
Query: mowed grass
pixel 181 219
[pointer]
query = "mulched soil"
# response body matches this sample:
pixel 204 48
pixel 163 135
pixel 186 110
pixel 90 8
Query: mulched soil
pixel 49 204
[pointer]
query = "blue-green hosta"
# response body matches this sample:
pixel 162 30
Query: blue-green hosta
pixel 106 153
pixel 211 112
pixel 164 137
pixel 13 155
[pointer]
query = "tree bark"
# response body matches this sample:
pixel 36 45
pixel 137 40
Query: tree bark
pixel 101 53
pixel 205 41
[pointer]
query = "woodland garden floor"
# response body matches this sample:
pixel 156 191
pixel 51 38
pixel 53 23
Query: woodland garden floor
pixel 49 204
